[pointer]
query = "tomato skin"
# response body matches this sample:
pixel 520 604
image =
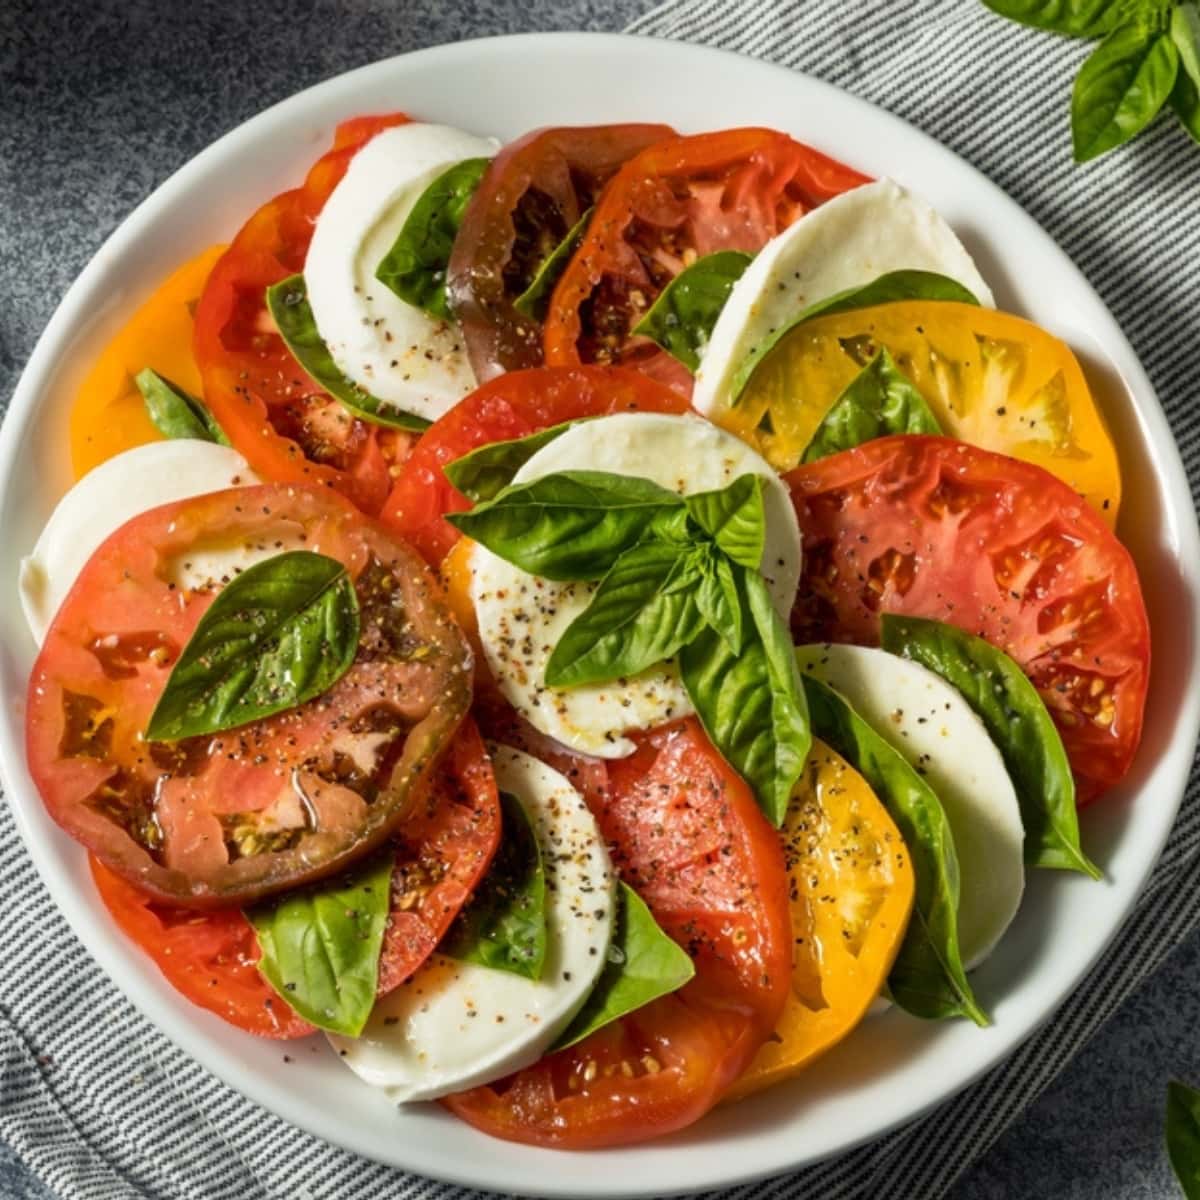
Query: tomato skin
pixel 510 406
pixel 685 832
pixel 273 413
pixel 931 527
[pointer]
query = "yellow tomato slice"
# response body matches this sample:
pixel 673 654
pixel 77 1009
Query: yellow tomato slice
pixel 991 379
pixel 109 415
pixel 852 891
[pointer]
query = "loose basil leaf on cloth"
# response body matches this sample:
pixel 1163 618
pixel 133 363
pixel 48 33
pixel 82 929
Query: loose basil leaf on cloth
pixel 734 518
pixel 681 320
pixel 487 471
pixel 1183 1136
pixel 643 964
pixel 1018 722
pixel 719 601
pixel 288 304
pixel 642 613
pixel 1075 18
pixel 281 632
pixel 1185 95
pixel 884 289
pixel 415 267
pixel 878 401
pixel 1121 87
pixel 571 526
pixel 174 413
pixel 320 946
pixel 504 924
pixel 534 301
pixel 927 979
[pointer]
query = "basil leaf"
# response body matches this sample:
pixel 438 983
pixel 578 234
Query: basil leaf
pixel 1075 18
pixel 281 632
pixel 733 517
pixel 415 267
pixel 927 979
pixel 1120 88
pixel 719 602
pixel 1183 1136
pixel 174 413
pixel 885 289
pixel 287 302
pixel 643 964
pixel 504 924
pixel 681 320
pixel 1017 721
pixel 641 614
pixel 879 400
pixel 534 301
pixel 570 526
pixel 1185 95
pixel 752 703
pixel 320 946
pixel 485 472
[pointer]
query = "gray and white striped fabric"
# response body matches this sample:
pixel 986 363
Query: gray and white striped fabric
pixel 80 1070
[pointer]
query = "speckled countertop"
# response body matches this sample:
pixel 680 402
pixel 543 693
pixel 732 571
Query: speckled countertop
pixel 100 101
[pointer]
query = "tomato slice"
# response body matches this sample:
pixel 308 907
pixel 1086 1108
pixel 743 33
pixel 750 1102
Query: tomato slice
pixel 684 831
pixel 930 527
pixel 534 193
pixel 992 379
pixel 676 201
pixel 511 406
pixel 289 430
pixel 216 821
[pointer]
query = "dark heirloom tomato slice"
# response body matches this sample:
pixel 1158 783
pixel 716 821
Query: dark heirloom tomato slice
pixel 289 429
pixel 533 195
pixel 685 832
pixel 930 527
pixel 222 820
pixel 676 201
pixel 511 406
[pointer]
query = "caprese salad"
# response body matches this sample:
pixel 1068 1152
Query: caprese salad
pixel 578 622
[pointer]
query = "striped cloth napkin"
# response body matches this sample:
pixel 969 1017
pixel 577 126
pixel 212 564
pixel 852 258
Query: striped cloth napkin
pixel 80 1069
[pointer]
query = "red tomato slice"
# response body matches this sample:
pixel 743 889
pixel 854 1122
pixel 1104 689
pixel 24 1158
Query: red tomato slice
pixel 221 820
pixel 289 429
pixel 677 201
pixel 511 406
pixel 930 527
pixel 535 191
pixel 685 832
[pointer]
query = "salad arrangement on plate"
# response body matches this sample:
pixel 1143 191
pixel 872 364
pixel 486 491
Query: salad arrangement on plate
pixel 579 622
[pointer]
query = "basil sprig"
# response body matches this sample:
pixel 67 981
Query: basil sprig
pixel 1185 96
pixel 534 301
pixel 281 632
pixel 486 471
pixel 1183 1136
pixel 175 413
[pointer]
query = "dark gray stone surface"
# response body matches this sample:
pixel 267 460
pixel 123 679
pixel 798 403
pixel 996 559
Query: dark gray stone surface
pixel 101 101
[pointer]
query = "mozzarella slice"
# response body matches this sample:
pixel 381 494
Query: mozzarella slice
pixel 108 496
pixel 521 617
pixel 455 1025
pixel 398 353
pixel 930 723
pixel 845 243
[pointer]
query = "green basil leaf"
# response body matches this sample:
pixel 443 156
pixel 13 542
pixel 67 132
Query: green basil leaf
pixel 1120 88
pixel 1185 95
pixel 320 946
pixel 288 304
pixel 535 299
pixel 733 517
pixel 1018 722
pixel 504 924
pixel 570 526
pixel 281 632
pixel 719 602
pixel 1075 18
pixel 681 320
pixel 927 979
pixel 415 267
pixel 643 964
pixel 641 614
pixel 1183 1136
pixel 885 289
pixel 485 472
pixel 879 400
pixel 174 413
pixel 752 703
